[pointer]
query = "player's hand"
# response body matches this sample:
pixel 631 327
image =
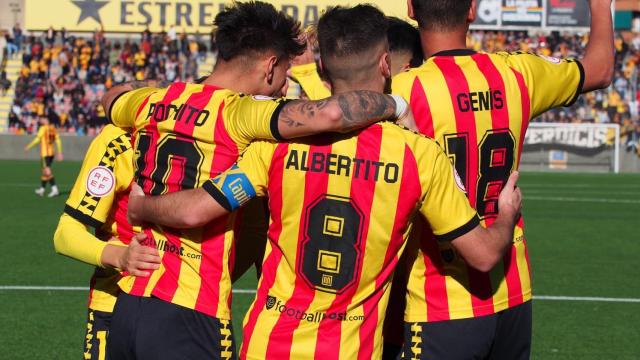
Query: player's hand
pixel 408 121
pixel 307 57
pixel 136 197
pixel 510 200
pixel 60 157
pixel 138 259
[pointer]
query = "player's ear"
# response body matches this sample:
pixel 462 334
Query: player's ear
pixel 473 12
pixel 385 65
pixel 270 66
pixel 410 11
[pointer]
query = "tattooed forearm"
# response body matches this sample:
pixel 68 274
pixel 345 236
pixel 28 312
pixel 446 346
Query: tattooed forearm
pixel 341 113
pixel 361 108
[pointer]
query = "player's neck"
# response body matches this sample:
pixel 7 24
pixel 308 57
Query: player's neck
pixel 341 87
pixel 434 42
pixel 231 77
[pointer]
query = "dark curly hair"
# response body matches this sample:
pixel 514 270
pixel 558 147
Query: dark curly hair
pixel 246 28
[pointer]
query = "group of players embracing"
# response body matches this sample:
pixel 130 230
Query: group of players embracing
pixel 355 206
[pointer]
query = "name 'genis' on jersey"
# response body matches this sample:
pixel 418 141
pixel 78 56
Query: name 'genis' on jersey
pixel 178 112
pixel 335 164
pixel 480 101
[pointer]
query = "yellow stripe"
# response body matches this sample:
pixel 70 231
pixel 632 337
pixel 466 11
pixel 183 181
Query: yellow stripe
pixel 293 189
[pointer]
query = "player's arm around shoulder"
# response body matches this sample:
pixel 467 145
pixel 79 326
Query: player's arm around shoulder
pixel 482 248
pixel 340 113
pixel 216 198
pixel 122 101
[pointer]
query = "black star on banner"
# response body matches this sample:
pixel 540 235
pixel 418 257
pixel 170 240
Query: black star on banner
pixel 89 9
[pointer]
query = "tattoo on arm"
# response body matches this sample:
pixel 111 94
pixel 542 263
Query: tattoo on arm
pixel 299 113
pixel 362 108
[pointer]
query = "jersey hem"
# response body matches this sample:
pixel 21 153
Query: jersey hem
pixel 580 85
pixel 83 218
pixel 462 230
pixel 458 314
pixel 163 296
pixel 217 195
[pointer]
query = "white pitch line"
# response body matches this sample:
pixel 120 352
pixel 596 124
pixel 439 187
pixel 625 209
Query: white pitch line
pixel 587 298
pixel 573 199
pixel 251 291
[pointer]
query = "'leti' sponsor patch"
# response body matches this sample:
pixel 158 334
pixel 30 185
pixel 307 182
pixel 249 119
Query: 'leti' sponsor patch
pixel 100 181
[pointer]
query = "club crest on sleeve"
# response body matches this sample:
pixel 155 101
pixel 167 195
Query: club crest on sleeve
pixel 553 60
pixel 458 180
pixel 100 181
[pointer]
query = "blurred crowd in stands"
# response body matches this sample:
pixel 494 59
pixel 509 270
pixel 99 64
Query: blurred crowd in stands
pixel 64 76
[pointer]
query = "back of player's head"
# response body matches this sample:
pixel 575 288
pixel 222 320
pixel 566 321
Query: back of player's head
pixel 404 37
pixel 351 40
pixel 253 27
pixel 441 15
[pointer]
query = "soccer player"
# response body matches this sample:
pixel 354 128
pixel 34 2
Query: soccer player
pixel 340 207
pixel 478 107
pixel 405 52
pixel 47 136
pixel 184 135
pixel 98 201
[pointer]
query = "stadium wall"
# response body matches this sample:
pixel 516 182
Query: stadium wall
pixel 11 147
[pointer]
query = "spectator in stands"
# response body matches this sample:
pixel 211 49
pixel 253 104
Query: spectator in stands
pixel 17 35
pixel 5 83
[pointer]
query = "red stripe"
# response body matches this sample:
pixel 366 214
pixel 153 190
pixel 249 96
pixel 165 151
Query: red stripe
pixel 271 263
pixel 168 283
pixel 410 194
pixel 526 111
pixel 480 283
pixel 140 283
pixel 500 118
pixel 123 228
pixel 141 107
pixel 279 346
pixel 421 109
pixel 362 192
pixel 173 92
pixel 213 240
pixel 435 285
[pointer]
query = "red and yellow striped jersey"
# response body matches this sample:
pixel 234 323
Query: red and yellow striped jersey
pixel 478 107
pixel 184 135
pixel 47 136
pixel 340 208
pixel 99 199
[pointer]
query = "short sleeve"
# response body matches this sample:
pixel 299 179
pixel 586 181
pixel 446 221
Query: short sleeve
pixel 445 205
pixel 245 180
pixel 106 170
pixel 249 118
pixel 125 107
pixel 551 82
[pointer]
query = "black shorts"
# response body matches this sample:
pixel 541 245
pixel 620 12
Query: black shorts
pixel 505 335
pixel 149 328
pixel 95 344
pixel 47 161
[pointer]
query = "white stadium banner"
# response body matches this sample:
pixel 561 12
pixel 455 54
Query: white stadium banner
pixel 573 146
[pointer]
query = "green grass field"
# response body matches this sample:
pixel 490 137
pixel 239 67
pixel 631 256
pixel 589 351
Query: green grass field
pixel 581 229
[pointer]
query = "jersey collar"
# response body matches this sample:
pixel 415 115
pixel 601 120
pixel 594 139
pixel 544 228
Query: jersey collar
pixel 455 52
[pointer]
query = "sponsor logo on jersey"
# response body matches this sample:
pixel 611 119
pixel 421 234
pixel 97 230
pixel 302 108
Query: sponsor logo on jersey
pixel 262 97
pixel 100 181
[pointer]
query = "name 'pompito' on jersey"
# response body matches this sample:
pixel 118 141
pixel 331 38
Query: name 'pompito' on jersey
pixel 340 208
pixel 478 107
pixel 184 135
pixel 99 199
